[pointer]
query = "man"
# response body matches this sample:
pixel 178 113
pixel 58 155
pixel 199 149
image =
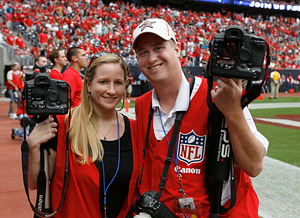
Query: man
pixel 10 40
pixel 129 86
pixel 39 63
pixel 158 55
pixel 275 84
pixel 77 58
pixel 43 38
pixel 14 86
pixel 19 41
pixel 289 81
pixel 59 60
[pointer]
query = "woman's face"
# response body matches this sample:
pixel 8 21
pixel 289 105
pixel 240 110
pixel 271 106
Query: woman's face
pixel 107 87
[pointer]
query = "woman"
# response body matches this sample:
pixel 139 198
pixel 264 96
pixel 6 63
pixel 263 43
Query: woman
pixel 102 169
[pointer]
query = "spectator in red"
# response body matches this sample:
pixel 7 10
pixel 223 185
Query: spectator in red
pixel 19 41
pixel 10 39
pixel 13 86
pixel 59 34
pixel 289 81
pixel 197 54
pixel 35 51
pixel 78 60
pixel 43 38
pixel 59 60
pixel 28 22
pixel 8 18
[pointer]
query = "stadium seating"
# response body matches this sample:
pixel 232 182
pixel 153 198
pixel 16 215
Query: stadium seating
pixel 78 22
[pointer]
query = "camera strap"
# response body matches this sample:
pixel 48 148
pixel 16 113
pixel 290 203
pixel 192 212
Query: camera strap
pixel 215 120
pixel 168 160
pixel 41 211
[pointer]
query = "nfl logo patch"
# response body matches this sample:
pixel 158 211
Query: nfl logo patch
pixel 191 148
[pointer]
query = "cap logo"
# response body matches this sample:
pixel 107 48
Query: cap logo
pixel 146 24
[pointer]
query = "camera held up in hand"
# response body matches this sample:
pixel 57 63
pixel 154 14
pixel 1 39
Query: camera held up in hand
pixel 46 96
pixel 148 204
pixel 235 54
pixel 43 69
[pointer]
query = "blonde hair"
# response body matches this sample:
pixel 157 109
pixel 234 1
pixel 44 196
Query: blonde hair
pixel 84 125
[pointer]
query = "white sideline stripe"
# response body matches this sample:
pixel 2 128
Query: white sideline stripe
pixel 278 189
pixel 280 121
pixel 274 105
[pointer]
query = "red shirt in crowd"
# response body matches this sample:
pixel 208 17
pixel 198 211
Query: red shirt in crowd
pixel 43 37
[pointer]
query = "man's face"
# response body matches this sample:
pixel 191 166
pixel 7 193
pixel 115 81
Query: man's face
pixel 82 59
pixel 157 58
pixel 42 61
pixel 17 66
pixel 61 60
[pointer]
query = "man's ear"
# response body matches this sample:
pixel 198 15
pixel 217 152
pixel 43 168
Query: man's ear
pixel 74 59
pixel 177 49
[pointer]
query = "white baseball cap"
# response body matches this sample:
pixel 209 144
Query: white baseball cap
pixel 156 26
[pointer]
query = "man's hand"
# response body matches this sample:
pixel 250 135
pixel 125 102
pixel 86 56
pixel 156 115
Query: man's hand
pixel 227 95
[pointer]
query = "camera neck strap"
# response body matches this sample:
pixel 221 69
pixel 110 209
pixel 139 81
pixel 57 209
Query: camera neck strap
pixel 41 211
pixel 168 160
pixel 214 124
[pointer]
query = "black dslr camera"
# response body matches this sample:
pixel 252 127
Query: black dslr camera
pixel 149 203
pixel 235 54
pixel 46 96
pixel 43 69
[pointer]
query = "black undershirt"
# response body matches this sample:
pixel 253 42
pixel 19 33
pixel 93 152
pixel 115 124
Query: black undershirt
pixel 118 190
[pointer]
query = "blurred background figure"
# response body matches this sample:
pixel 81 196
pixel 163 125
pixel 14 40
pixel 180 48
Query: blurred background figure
pixel 275 84
pixel 289 81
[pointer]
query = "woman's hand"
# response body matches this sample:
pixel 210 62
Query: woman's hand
pixel 42 133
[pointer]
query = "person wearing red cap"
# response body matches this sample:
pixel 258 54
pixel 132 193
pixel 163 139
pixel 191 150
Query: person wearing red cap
pixel 185 192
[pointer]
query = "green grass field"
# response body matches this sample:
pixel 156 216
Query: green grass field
pixel 284 99
pixel 284 142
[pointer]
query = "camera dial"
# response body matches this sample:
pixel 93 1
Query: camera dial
pixel 245 54
pixel 53 95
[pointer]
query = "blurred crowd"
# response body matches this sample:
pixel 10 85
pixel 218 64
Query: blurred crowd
pixel 37 27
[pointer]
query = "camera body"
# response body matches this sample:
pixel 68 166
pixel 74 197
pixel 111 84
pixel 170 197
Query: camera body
pixel 43 69
pixel 46 96
pixel 235 54
pixel 149 203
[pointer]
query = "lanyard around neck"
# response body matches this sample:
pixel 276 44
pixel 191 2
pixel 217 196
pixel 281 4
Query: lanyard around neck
pixel 105 188
pixel 162 125
pixel 168 160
